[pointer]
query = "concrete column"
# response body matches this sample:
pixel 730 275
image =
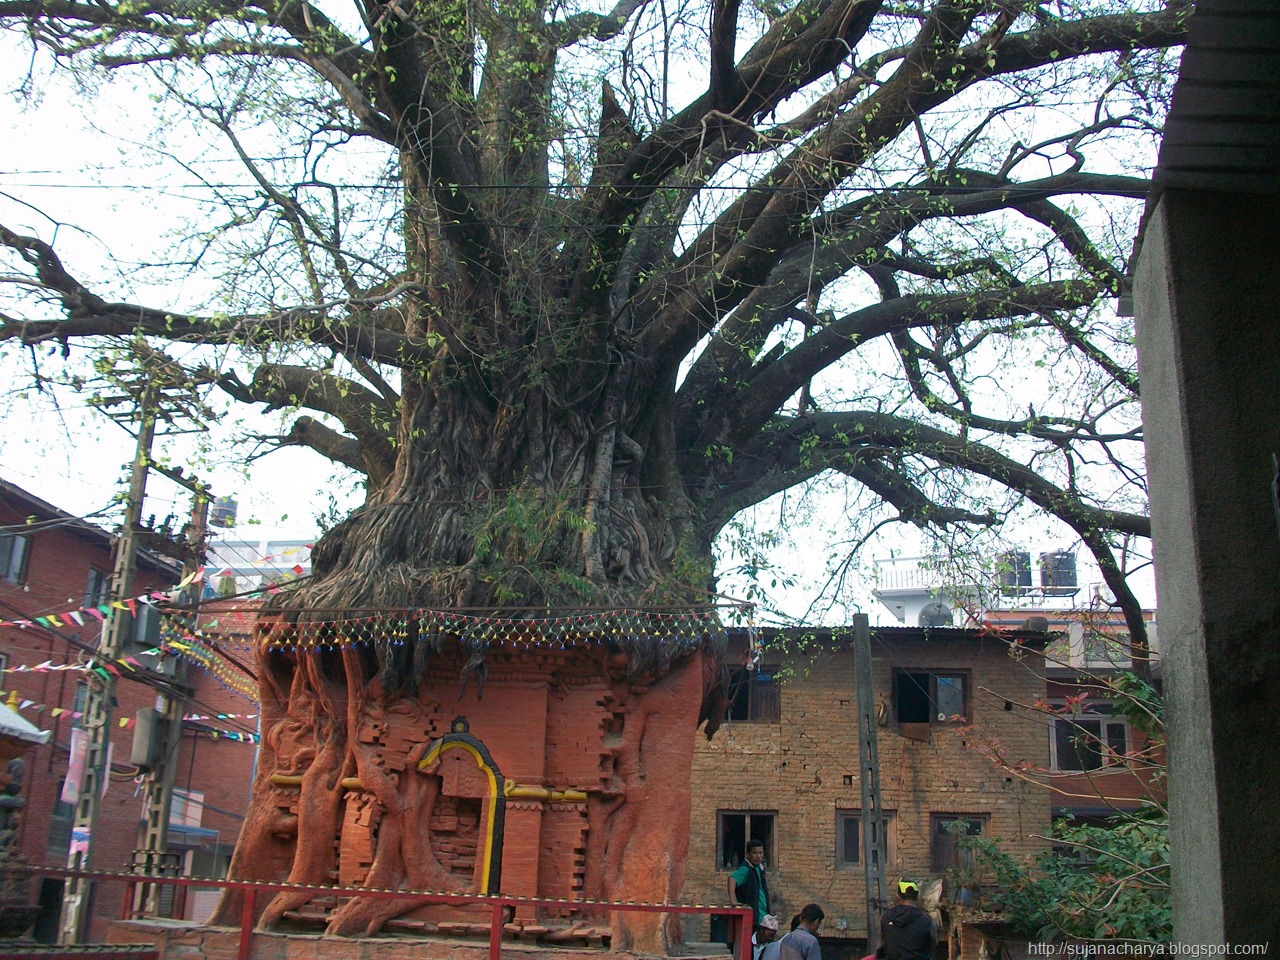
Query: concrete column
pixel 1207 299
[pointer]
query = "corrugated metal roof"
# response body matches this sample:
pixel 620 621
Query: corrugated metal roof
pixel 1028 638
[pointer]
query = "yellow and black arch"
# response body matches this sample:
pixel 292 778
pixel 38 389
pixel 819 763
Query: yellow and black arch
pixel 460 738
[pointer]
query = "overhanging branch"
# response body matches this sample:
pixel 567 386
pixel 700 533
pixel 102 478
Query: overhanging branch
pixel 89 315
pixel 369 419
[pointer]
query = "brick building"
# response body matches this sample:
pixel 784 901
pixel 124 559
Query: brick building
pixel 52 562
pixel 1099 763
pixel 785 768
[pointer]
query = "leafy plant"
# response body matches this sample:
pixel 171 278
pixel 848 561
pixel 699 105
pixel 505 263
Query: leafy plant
pixel 1102 881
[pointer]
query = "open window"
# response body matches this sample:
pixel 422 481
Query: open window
pixel 753 695
pixel 945 830
pixel 734 828
pixel 928 696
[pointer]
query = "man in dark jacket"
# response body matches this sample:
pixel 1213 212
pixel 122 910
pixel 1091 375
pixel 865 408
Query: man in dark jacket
pixel 747 884
pixel 906 931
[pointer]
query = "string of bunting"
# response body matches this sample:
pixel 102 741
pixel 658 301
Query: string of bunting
pixel 175 645
pixel 128 723
pixel 47 666
pixel 188 646
pixel 13 702
pixel 104 611
pixel 216 733
pixel 122 666
pixel 79 616
pixel 685 629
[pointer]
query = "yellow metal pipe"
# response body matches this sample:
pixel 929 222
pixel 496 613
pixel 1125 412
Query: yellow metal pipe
pixel 294 780
pixel 510 788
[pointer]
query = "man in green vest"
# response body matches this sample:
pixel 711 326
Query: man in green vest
pixel 747 884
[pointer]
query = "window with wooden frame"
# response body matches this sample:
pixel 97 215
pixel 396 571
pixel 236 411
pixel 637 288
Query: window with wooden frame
pixel 753 695
pixel 849 839
pixel 945 830
pixel 14 549
pixel 97 587
pixel 734 828
pixel 931 696
pixel 79 704
pixel 58 841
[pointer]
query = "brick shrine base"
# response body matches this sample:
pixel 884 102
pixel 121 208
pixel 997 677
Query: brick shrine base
pixel 178 940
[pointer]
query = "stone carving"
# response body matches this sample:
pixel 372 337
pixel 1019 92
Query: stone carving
pixel 17 913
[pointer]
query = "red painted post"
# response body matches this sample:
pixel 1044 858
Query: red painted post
pixel 246 924
pixel 744 934
pixel 495 932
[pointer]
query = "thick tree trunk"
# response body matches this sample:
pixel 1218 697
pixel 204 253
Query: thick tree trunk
pixel 531 473
pixel 489 507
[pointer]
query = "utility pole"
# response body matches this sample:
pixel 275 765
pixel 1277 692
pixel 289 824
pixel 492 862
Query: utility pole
pixel 153 858
pixel 156 393
pixel 873 837
pixel 102 686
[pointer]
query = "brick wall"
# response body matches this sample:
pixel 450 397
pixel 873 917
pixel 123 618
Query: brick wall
pixel 804 769
pixel 58 565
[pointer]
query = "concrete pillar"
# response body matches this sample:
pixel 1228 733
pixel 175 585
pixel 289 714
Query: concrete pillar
pixel 1207 300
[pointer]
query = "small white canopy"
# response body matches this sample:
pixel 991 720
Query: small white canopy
pixel 14 726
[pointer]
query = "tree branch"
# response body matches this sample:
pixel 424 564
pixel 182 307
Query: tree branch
pixel 858 443
pixel 597 26
pixel 806 43
pixel 369 419
pixel 764 393
pixel 737 252
pixel 890 432
pixel 329 443
pixel 88 315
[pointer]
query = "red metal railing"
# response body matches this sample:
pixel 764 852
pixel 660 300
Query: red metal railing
pixel 498 904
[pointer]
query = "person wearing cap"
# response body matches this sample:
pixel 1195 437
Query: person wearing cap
pixel 906 931
pixel 765 938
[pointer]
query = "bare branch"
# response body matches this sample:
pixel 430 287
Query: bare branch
pixel 597 26
pixel 364 414
pixel 88 315
pixel 310 432
pixel 737 252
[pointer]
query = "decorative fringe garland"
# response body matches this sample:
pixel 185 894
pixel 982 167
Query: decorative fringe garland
pixel 664 631
pixel 619 627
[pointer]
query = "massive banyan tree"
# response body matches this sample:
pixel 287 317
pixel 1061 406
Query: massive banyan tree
pixel 614 277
